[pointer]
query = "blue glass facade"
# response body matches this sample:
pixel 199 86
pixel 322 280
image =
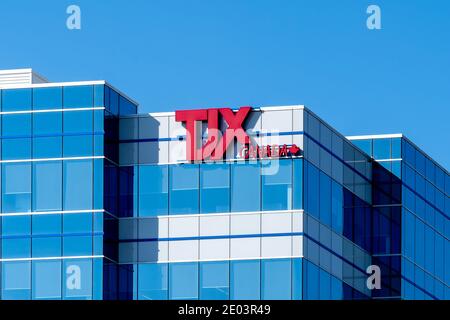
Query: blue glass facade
pixel 98 203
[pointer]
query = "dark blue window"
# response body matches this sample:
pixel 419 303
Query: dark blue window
pixel 325 199
pixel 298 184
pixel 312 190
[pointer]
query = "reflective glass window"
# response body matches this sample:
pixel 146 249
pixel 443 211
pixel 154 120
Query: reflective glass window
pixel 153 190
pixel 16 280
pixel 47 98
pixel 184 183
pixel 78 146
pixel 47 224
pixel 245 187
pixel 47 147
pixel 215 188
pixel 337 207
pixel 276 279
pixel 16 125
pixel 78 121
pixel 183 281
pixel 77 223
pixel 46 280
pixel 297 275
pixel 312 191
pixel 277 185
pixel 382 148
pixel 47 123
pixel 364 145
pixel 298 184
pixel 78 97
pixel 16 100
pixel 46 247
pixel 14 149
pixel 16 248
pixel 16 225
pixel 325 199
pixel 77 279
pixel 153 281
pixel 16 187
pixel 99 95
pixel 214 280
pixel 47 186
pixel 245 280
pixel 77 245
pixel 77 191
pixel 396 148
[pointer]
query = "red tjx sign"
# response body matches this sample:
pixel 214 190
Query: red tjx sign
pixel 216 144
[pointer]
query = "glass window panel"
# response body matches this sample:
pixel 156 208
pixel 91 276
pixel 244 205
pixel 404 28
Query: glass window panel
pixel 16 225
pixel 325 199
pixel 396 148
pixel 382 148
pixel 153 190
pixel 183 281
pixel 47 147
pixel 16 280
pixel 16 248
pixel 46 280
pixel 47 224
pixel 184 183
pixel 47 98
pixel 14 149
pixel 16 187
pixel 312 200
pixel 99 120
pixel 77 146
pixel 408 153
pixel 153 281
pixel 16 100
pixel 297 275
pixel 245 187
pixel 77 246
pixel 47 186
pixel 214 280
pixel 277 185
pixel 113 102
pixel 276 279
pixel 298 183
pixel 78 97
pixel 47 123
pixel 77 223
pixel 215 188
pixel 77 279
pixel 46 247
pixel 77 185
pixel 245 280
pixel 364 145
pixel 431 171
pixel 16 125
pixel 99 95
pixel 78 121
pixel 312 282
pixel 420 163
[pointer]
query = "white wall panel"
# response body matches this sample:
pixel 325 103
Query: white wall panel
pixel 280 222
pixel 215 249
pixel 273 247
pixel 246 223
pixel 180 226
pixel 245 248
pixel 185 250
pixel 214 225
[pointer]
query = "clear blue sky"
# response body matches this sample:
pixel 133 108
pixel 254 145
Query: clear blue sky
pixel 169 54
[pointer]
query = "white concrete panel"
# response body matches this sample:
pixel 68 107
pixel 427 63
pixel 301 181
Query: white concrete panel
pixel 128 252
pixel 183 250
pixel 153 251
pixel 298 140
pixel 177 151
pixel 273 247
pixel 128 153
pixel 175 128
pixel 279 222
pixel 248 248
pixel 128 129
pixel 180 226
pixel 297 246
pixel 297 222
pixel 153 127
pixel 278 120
pixel 154 227
pixel 215 249
pixel 246 223
pixel 276 140
pixel 153 152
pixel 297 120
pixel 214 225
